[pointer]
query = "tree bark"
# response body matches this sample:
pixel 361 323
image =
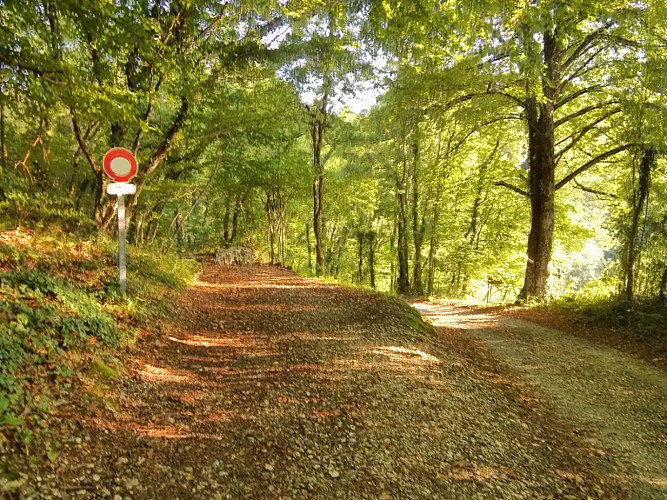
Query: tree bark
pixel 417 227
pixel 317 134
pixel 541 177
pixel 226 217
pixel 310 249
pixel 281 230
pixel 662 294
pixel 639 199
pixel 433 247
pixel 372 239
pixel 403 281
pixel 240 201
pixel 268 206
pixel 340 247
pixel 392 270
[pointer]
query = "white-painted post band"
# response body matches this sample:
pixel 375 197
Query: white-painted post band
pixel 122 266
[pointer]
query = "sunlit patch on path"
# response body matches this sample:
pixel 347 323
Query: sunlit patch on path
pixel 455 316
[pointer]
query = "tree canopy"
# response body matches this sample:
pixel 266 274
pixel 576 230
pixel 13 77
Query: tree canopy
pixel 515 149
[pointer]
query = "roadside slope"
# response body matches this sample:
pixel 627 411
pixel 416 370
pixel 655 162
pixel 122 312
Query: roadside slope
pixel 613 401
pixel 267 385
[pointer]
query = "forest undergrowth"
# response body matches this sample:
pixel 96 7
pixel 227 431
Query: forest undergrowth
pixel 62 319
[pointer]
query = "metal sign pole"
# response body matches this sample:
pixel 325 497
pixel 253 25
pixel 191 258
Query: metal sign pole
pixel 121 245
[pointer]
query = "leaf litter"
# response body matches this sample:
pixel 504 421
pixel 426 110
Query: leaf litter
pixel 269 385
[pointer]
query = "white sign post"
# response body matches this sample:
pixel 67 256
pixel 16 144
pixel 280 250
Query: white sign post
pixel 122 263
pixel 121 165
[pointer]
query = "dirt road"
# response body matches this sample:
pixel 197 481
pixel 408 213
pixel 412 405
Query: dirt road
pixel 267 385
pixel 615 402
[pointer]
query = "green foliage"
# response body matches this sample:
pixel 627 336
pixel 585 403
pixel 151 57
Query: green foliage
pixel 60 306
pixel 642 318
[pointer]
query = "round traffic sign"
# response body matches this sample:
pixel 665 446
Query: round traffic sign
pixel 120 164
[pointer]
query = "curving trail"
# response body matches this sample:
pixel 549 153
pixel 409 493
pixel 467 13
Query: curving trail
pixel 616 403
pixel 267 385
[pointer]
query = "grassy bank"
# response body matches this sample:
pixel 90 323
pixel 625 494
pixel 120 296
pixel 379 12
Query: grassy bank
pixel 61 315
pixel 638 328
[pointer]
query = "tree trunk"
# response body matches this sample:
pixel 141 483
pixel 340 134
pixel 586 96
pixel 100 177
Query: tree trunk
pixel 339 252
pixel 104 209
pixel 317 136
pixel 310 249
pixel 371 257
pixel 417 227
pixel 139 228
pixel 541 177
pixel 403 282
pixel 226 217
pixel 281 230
pixel 360 265
pixel 238 207
pixel 662 294
pixel 154 225
pixel 639 199
pixel 433 247
pixel 542 192
pixel 270 207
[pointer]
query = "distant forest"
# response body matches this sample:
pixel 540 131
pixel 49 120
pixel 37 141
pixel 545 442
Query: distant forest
pixel 463 149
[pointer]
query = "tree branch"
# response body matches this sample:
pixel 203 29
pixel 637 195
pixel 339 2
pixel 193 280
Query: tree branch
pixel 593 191
pixel 512 187
pixel 83 144
pixel 591 163
pixel 167 142
pixel 577 94
pixel 580 70
pixel 579 135
pixel 582 112
pixel 586 44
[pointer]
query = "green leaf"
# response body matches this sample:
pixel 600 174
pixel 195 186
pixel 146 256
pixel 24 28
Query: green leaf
pixel 10 421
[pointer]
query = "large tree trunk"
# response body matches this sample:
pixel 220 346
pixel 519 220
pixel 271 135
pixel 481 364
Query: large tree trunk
pixel 542 192
pixel 662 294
pixel 541 178
pixel 639 199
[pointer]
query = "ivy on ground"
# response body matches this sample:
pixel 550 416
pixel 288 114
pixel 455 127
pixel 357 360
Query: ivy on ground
pixel 60 310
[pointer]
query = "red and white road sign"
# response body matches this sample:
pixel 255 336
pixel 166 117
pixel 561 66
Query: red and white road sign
pixel 120 164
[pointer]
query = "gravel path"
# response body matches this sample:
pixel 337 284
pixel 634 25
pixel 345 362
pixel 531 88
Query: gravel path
pixel 615 402
pixel 266 385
